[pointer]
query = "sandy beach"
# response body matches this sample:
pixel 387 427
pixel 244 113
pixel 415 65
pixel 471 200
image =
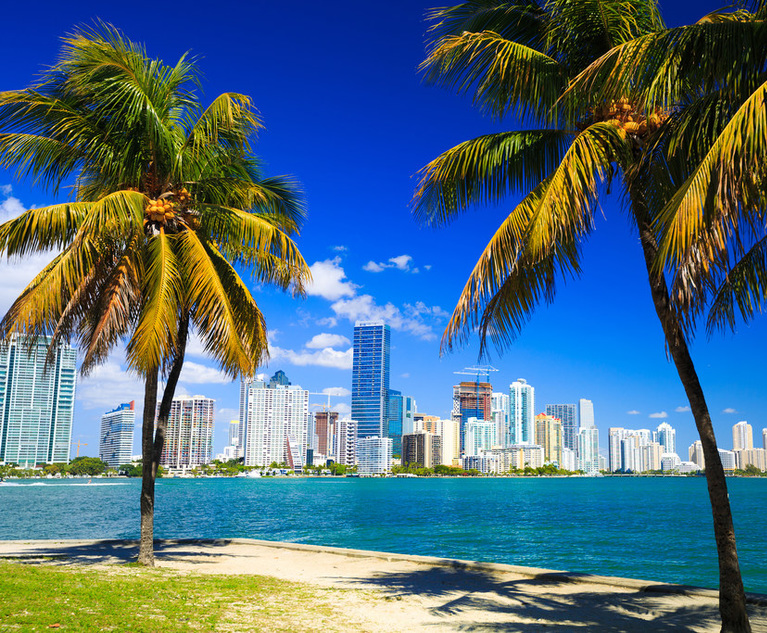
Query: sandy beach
pixel 391 592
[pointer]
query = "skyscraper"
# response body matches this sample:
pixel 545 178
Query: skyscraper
pixel 567 415
pixel 189 436
pixel 548 434
pixel 370 378
pixel 500 408
pixel 36 402
pixel 395 414
pixel 472 400
pixel 116 437
pixel 585 413
pixel 324 429
pixel 276 423
pixel 374 455
pixel 742 436
pixel 588 450
pixel 665 435
pixel 521 412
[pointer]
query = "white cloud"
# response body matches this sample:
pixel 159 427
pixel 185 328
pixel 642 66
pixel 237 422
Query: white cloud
pixel 16 273
pixel 401 262
pixel 109 385
pixel 364 308
pixel 405 375
pixel 197 374
pixel 683 409
pixel 632 412
pixel 327 357
pixel 10 208
pixel 340 248
pixel 660 414
pixel 342 408
pixel 427 266
pixel 341 392
pixel 328 281
pixel 328 321
pixel 6 190
pixel 729 410
pixel 321 341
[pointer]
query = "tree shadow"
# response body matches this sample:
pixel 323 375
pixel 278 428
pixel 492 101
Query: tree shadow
pixel 478 600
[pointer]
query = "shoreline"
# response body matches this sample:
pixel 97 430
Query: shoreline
pixel 411 591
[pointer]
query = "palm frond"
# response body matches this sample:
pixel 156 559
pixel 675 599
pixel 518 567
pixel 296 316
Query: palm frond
pixel 485 170
pixel 42 229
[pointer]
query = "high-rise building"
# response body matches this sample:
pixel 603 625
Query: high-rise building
pixel 276 424
pixel 665 435
pixel 567 415
pixel 374 455
pixel 324 431
pixel 615 436
pixel 345 442
pixel 448 431
pixel 472 400
pixel 764 439
pixel 500 409
pixel 588 450
pixel 548 434
pixel 521 412
pixel 36 401
pixel 370 378
pixel 695 453
pixel 479 435
pixel 729 463
pixel 189 435
pixel 116 437
pixel 742 436
pixel 585 413
pixel 421 449
pixel 395 414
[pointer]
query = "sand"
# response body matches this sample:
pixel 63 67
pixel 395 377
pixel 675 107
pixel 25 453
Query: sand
pixel 390 592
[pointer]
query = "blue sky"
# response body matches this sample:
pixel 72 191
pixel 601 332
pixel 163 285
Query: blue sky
pixel 347 114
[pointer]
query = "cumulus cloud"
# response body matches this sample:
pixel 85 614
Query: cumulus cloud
pixel 6 190
pixel 729 410
pixel 342 408
pixel 196 374
pixel 327 357
pixel 659 414
pixel 321 341
pixel 365 308
pixel 632 412
pixel 328 281
pixel 400 262
pixel 340 248
pixel 682 409
pixel 10 208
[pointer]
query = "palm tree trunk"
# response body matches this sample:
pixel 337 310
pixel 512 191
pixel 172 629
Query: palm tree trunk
pixel 148 471
pixel 732 598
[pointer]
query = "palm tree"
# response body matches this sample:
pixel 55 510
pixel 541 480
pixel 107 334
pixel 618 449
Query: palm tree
pixel 540 62
pixel 168 199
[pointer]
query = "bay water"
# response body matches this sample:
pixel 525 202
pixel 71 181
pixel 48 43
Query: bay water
pixel 651 528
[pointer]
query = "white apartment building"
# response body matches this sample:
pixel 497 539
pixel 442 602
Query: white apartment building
pixel 276 423
pixel 374 455
pixel 742 436
pixel 479 435
pixel 695 453
pixel 189 435
pixel 521 412
pixel 500 412
pixel 588 450
pixel 345 442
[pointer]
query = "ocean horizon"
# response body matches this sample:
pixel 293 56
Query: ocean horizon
pixel 656 529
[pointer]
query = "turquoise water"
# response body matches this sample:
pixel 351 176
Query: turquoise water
pixel 651 528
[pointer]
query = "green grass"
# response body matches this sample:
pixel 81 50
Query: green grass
pixel 127 598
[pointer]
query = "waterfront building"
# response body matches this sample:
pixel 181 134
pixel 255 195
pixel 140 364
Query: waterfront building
pixel 665 435
pixel 688 467
pixel 548 434
pixel 566 413
pixel 370 378
pixel 585 413
pixel 569 459
pixel 521 412
pixel 408 414
pixel 36 401
pixel 395 408
pixel 729 464
pixel 651 454
pixel 472 400
pixel 588 450
pixel 503 460
pixel 669 462
pixel 374 455
pixel 615 436
pixel 116 437
pixel 345 436
pixel 479 435
pixel 449 433
pixel 421 449
pixel 695 453
pixel 751 457
pixel 602 463
pixel 324 429
pixel 500 411
pixel 189 434
pixel 742 436
pixel 276 423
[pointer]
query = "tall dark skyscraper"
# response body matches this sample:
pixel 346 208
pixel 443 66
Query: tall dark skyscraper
pixel 370 378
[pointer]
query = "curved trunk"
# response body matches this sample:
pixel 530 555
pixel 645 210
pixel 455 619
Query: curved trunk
pixel 732 598
pixel 153 440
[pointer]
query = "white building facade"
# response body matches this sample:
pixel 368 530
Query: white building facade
pixel 374 455
pixel 189 434
pixel 116 437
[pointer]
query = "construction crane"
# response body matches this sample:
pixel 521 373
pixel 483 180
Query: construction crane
pixel 477 370
pixel 325 407
pixel 478 409
pixel 78 443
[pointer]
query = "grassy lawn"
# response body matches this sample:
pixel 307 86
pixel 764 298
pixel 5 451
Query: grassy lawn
pixel 46 597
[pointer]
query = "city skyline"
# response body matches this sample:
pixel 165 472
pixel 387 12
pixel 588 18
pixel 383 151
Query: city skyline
pixel 342 130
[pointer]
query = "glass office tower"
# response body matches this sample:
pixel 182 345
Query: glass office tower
pixel 370 378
